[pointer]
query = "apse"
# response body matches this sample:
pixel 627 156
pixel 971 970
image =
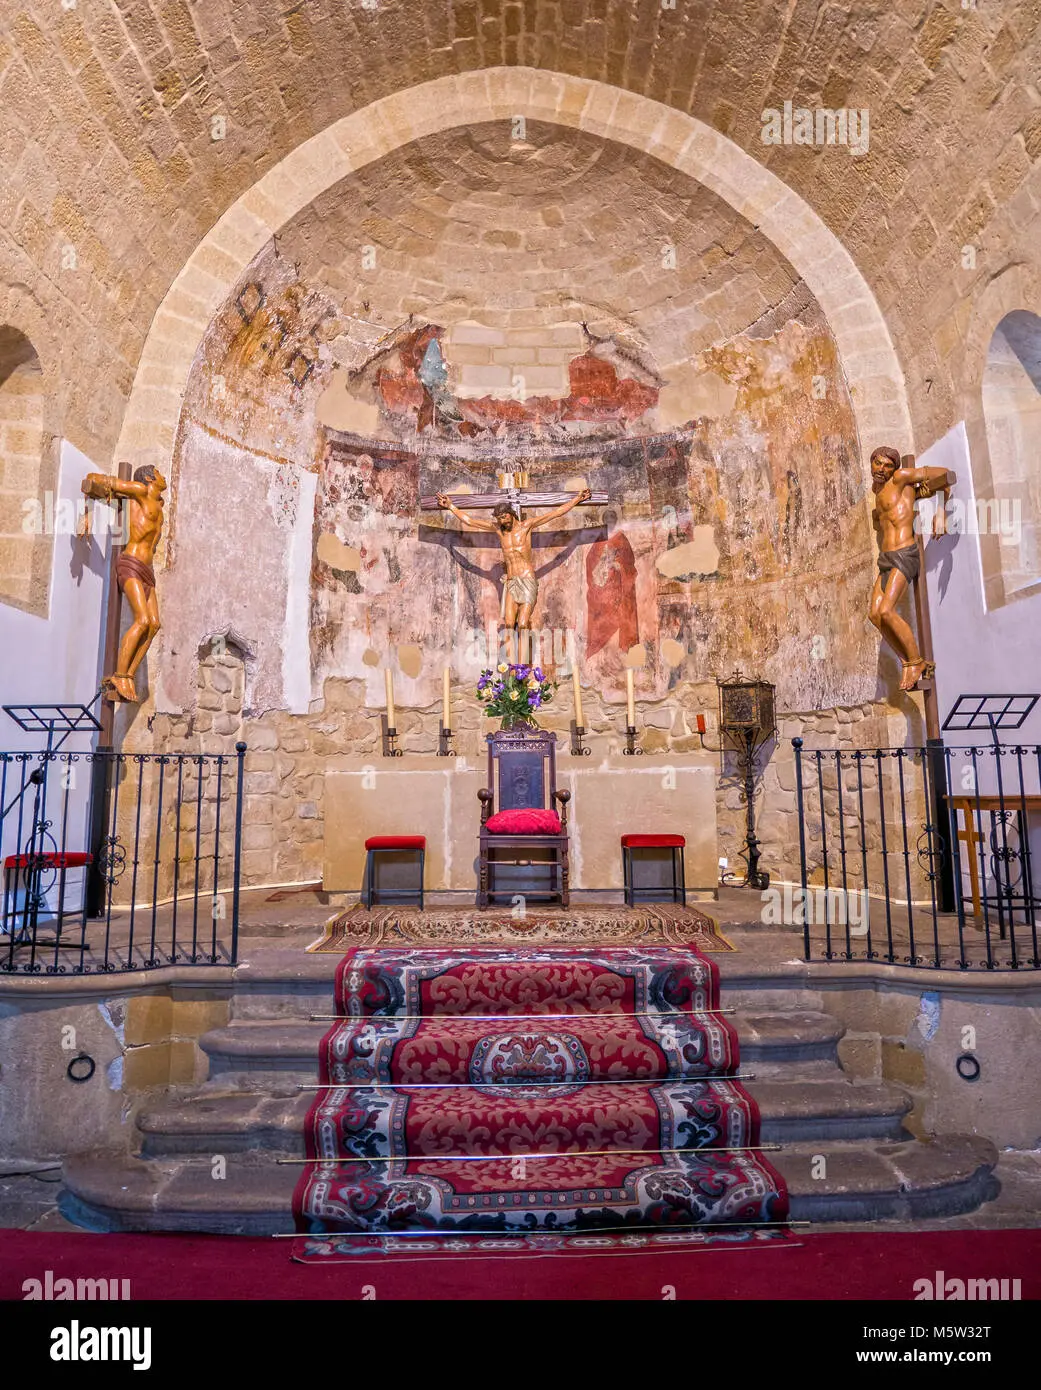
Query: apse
pixel 476 303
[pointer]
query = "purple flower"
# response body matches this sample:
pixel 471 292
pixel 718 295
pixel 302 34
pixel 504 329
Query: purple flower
pixel 537 673
pixel 535 700
pixel 521 672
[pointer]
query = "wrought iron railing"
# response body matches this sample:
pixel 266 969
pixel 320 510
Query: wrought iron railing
pixel 920 856
pixel 119 861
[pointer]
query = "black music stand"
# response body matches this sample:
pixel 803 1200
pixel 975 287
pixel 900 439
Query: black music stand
pixel 969 714
pixel 991 712
pixel 53 720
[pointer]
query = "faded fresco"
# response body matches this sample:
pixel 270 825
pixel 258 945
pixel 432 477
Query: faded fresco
pixel 738 540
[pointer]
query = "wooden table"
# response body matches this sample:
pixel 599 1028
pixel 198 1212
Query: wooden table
pixel 972 836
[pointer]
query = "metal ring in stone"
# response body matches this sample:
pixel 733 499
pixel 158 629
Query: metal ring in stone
pixel 78 1062
pixel 968 1067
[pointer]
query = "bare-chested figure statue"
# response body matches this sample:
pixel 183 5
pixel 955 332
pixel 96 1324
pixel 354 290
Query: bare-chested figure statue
pixel 522 588
pixel 134 573
pixel 896 485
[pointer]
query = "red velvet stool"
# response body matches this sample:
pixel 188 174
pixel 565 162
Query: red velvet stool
pixel 676 844
pixel 34 867
pixel 380 848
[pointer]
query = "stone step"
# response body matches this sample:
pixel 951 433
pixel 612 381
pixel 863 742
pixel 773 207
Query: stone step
pixel 876 1182
pixel 290 1044
pixel 284 984
pixel 225 1122
pixel 221 1118
pixel 794 1035
pixel 832 1108
pixel 115 1192
pixel 862 1182
pixel 277 1049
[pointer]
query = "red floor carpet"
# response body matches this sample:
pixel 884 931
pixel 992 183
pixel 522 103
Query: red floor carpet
pixel 816 1266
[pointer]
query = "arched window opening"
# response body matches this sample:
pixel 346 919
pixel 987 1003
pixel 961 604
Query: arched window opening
pixel 25 540
pixel 1012 413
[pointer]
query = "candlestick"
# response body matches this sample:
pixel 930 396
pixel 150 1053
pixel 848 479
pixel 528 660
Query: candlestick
pixel 578 695
pixel 390 739
pixel 446 702
pixel 630 697
pixel 389 679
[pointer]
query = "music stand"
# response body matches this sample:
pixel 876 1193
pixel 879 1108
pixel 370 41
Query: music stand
pixel 991 712
pixel 65 719
pixel 994 712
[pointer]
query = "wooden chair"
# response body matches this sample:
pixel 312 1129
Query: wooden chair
pixel 518 814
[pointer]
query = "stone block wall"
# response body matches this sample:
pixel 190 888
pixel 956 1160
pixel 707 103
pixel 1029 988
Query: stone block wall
pixel 287 758
pixel 913 1035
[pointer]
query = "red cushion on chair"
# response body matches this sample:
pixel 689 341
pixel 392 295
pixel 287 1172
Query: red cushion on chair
pixel 396 842
pixel 531 820
pixel 653 841
pixel 69 860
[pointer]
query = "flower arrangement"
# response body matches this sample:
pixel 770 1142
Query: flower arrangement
pixel 514 693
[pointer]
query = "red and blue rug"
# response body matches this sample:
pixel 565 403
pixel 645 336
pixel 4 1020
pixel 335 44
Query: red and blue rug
pixel 512 1092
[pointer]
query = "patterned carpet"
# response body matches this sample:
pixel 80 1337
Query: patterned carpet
pixel 593 926
pixel 525 1090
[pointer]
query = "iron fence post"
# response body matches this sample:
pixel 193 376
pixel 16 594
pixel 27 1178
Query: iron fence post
pixel 240 749
pixel 797 746
pixel 938 816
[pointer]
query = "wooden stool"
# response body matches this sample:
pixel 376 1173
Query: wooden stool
pixel 379 845
pixel 675 843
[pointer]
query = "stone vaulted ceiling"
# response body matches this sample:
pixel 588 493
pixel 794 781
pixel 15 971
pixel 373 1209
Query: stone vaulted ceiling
pixel 563 225
pixel 110 172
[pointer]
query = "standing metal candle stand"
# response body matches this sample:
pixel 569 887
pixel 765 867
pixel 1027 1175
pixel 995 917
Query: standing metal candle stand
pixel 444 741
pixel 390 740
pixel 579 748
pixel 630 750
pixel 747 722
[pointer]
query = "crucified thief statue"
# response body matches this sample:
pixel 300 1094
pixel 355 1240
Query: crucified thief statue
pixel 522 588
pixel 134 573
pixel 897 484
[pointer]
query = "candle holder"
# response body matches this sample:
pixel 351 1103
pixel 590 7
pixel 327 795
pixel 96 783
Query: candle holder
pixel 630 750
pixel 578 745
pixel 390 740
pixel 444 742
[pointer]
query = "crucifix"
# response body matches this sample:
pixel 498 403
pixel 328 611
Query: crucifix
pixel 521 590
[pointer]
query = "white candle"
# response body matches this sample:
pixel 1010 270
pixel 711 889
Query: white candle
pixel 446 711
pixel 578 695
pixel 390 698
pixel 630 697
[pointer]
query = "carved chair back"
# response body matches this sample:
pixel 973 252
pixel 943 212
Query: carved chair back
pixel 522 768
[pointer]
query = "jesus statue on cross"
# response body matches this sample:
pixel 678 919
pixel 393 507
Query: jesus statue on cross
pixel 521 589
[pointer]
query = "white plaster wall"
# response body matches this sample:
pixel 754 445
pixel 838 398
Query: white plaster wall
pixel 976 652
pixel 57 658
pixel 979 652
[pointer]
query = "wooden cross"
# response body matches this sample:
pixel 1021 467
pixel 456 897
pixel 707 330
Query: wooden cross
pixel 517 497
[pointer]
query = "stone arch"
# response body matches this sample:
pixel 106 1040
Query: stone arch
pixel 26 522
pixel 870 363
pixel 1016 290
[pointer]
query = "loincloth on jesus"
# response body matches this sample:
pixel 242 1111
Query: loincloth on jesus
pixel 127 567
pixel 907 560
pixel 524 589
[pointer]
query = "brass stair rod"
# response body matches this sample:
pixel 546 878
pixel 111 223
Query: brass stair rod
pixel 355 1085
pixel 414 1018
pixel 648 1231
pixel 514 1158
